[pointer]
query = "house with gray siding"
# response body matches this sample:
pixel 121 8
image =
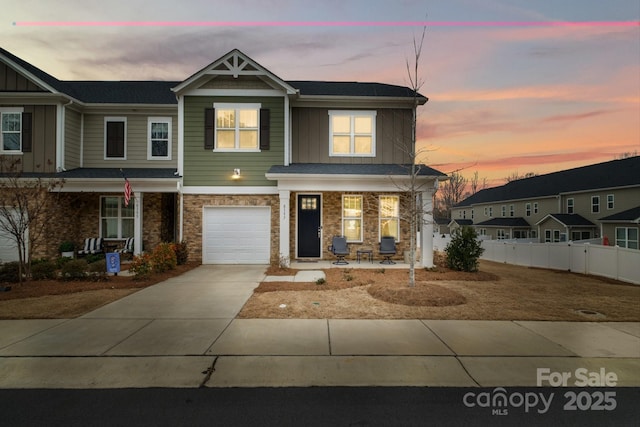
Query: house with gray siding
pixel 242 165
pixel 596 201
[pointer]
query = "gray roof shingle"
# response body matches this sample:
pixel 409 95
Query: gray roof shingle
pixel 615 173
pixel 352 89
pixel 504 222
pixel 351 169
pixel 570 220
pixel 630 215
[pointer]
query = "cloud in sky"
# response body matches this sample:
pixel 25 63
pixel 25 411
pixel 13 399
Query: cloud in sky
pixel 502 97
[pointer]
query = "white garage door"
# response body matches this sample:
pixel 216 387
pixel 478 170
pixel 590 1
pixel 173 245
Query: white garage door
pixel 236 235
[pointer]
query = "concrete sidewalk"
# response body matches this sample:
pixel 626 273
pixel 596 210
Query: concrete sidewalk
pixel 183 333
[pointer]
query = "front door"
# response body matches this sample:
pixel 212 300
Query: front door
pixel 309 226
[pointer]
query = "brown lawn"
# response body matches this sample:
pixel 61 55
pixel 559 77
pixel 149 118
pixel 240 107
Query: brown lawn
pixel 497 292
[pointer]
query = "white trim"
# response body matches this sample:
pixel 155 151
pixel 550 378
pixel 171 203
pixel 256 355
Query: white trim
pixel 111 185
pixel 397 217
pixel 593 204
pixel 352 114
pixel 229 190
pixel 284 197
pixel 361 218
pixel 287 131
pixel 345 182
pixel 115 119
pixel 12 110
pixel 168 121
pixel 234 92
pixel 81 140
pixel 236 106
pixel 119 218
pixel 613 202
pixel 180 135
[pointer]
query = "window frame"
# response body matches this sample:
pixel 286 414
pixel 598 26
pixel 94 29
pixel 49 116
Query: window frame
pixel 570 205
pixel 512 210
pixel 115 119
pixel 626 239
pixel 535 207
pixel 595 204
pixel 150 122
pixel 503 211
pixel 382 218
pixel 119 218
pixel 352 114
pixel 7 111
pixel 527 209
pixel 611 201
pixel 490 211
pixel 236 106
pixel 359 218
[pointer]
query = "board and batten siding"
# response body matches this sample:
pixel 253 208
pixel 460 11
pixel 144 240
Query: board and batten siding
pixel 310 136
pixel 136 141
pixel 205 167
pixel 72 130
pixel 11 81
pixel 42 157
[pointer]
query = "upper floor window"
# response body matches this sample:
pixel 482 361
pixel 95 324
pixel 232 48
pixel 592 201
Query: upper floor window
pixel 352 133
pixel 503 210
pixel 490 211
pixel 485 211
pixel 390 216
pixel 512 211
pixel 527 209
pixel 569 206
pixel 115 138
pixel 159 138
pixel 610 201
pixel 352 218
pixel 595 204
pixel 237 127
pixel 11 130
pixel 535 207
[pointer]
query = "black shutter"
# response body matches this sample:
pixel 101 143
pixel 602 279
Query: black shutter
pixel 27 132
pixel 209 118
pixel 265 128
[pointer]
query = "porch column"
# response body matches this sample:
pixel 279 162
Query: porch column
pixel 284 253
pixel 137 223
pixel 426 236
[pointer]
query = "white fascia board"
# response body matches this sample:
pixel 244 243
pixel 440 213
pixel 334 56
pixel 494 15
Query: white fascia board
pixel 317 182
pixel 116 185
pixel 234 92
pixel 35 98
pixel 227 190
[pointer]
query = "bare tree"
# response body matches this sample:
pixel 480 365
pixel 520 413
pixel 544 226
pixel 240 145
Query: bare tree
pixel 515 176
pixel 475 184
pixel 26 205
pixel 452 192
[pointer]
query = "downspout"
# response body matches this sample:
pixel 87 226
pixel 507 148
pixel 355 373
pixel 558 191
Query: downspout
pixel 287 131
pixel 82 140
pixel 60 143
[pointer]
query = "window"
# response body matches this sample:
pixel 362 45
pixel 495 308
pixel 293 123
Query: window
pixel 352 133
pixel 472 214
pixel 116 220
pixel 352 218
pixel 490 211
pixel 11 130
pixel 610 201
pixel 237 127
pixel 547 236
pixel 556 236
pixel 485 211
pixel 511 210
pixel 482 232
pixel 115 138
pixel 569 206
pixel 627 237
pixel 527 209
pixel 389 216
pixel 503 210
pixel 464 214
pixel 159 138
pixel 501 234
pixel 580 235
pixel 533 234
pixel 535 208
pixel 595 204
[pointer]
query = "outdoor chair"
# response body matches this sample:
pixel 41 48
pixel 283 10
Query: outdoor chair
pixel 387 249
pixel 127 248
pixel 340 249
pixel 92 245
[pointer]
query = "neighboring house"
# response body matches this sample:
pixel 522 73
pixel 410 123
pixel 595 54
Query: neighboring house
pixel 441 226
pixel 596 201
pixel 242 165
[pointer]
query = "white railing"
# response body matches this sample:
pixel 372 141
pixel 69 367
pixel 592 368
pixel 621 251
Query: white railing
pixel 606 261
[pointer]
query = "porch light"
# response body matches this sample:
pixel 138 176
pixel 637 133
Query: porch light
pixel 236 174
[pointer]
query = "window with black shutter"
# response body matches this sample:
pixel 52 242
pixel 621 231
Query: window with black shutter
pixel 115 139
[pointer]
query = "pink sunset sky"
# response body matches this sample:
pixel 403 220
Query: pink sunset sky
pixel 513 85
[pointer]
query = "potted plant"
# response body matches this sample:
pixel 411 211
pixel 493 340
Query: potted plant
pixel 66 249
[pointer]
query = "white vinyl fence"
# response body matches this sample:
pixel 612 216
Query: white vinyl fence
pixel 606 261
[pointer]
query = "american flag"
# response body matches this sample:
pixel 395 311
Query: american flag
pixel 127 192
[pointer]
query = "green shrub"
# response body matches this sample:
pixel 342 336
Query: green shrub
pixel 75 269
pixel 9 272
pixel 464 250
pixel 98 270
pixel 182 252
pixel 43 270
pixel 91 258
pixel 62 261
pixel 141 266
pixel 163 258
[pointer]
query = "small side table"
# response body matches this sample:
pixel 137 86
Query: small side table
pixel 364 251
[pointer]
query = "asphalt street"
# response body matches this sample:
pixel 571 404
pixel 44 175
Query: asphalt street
pixel 312 406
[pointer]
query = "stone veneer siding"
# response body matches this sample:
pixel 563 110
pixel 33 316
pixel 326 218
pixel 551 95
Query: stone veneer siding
pixel 193 221
pixel 332 223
